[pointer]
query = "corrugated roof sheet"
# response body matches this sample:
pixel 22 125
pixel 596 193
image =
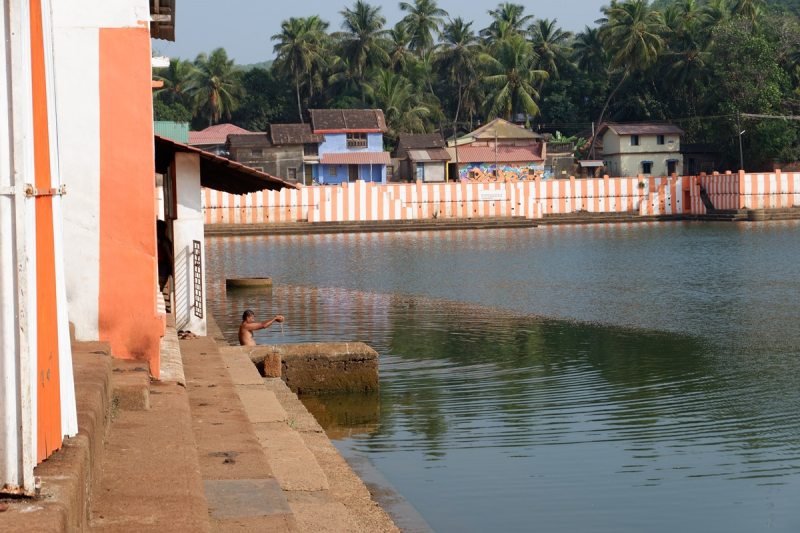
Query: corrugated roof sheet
pixel 356 158
pixel 294 134
pixel 645 129
pixel 505 154
pixel 433 154
pixel 330 120
pixel 216 134
pixel 218 173
pixel 177 131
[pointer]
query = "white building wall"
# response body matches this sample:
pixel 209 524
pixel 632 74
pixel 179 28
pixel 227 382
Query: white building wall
pixel 187 228
pixel 77 59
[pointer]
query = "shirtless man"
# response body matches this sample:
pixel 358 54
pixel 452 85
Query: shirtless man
pixel 249 325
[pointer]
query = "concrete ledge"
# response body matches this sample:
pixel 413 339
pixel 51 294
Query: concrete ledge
pixel 246 364
pixel 131 380
pixel 319 368
pixel 68 475
pixel 293 464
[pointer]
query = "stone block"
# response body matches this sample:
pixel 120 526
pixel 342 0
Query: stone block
pixel 319 368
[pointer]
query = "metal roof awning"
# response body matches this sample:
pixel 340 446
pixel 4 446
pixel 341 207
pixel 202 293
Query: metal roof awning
pixel 647 162
pixel 356 158
pixel 672 160
pixel 591 162
pixel 431 154
pixel 216 172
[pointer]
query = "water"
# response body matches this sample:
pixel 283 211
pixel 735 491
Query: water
pixel 583 378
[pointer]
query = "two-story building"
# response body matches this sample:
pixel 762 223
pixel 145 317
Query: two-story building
pixel 353 145
pixel 647 149
pixel 287 151
pixel 498 150
pixel 422 157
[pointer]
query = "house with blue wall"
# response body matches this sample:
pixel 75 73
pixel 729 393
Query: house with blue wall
pixel 353 146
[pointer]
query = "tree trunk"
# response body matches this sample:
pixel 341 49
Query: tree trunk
pixel 297 89
pixel 603 111
pixel 455 126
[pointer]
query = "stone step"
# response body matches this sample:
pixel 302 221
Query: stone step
pixel 131 385
pixel 231 460
pixel 149 479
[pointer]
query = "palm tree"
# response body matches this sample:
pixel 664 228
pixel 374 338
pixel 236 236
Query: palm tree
pixel 715 12
pixel 398 50
pixel 401 104
pixel 751 10
pixel 633 37
pixel 363 43
pixel 588 51
pixel 459 59
pixel 299 49
pixel 423 21
pixel 508 19
pixel 216 85
pixel 512 75
pixel 550 44
pixel 177 80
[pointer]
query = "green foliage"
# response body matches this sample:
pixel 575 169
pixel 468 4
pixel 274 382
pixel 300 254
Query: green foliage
pixel 268 101
pixel 174 112
pixel 698 63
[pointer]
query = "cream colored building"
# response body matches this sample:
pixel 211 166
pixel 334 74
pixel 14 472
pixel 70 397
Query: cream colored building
pixel 647 149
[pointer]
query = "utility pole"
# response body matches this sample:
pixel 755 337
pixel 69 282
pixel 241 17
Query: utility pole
pixel 739 129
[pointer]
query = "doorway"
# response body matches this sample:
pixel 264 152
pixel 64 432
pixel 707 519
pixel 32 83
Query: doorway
pixel 352 172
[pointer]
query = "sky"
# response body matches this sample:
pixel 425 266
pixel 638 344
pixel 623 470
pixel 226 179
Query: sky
pixel 244 27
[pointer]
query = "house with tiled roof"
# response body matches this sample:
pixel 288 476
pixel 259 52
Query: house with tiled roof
pixel 649 149
pixel 422 157
pixel 353 145
pixel 288 151
pixel 213 138
pixel 498 150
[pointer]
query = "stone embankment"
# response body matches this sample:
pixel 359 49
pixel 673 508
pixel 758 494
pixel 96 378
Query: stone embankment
pixel 212 446
pixel 450 224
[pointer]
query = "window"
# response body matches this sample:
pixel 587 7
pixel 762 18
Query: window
pixel 389 171
pixel 634 140
pixel 659 139
pixel 291 174
pixel 647 167
pixel 311 149
pixel 331 170
pixel 356 140
pixel 241 153
pixel 257 153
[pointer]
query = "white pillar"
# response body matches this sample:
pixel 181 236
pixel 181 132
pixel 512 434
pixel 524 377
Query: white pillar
pixel 186 229
pixel 17 257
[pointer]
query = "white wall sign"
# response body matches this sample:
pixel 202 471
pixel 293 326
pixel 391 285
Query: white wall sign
pixel 491 196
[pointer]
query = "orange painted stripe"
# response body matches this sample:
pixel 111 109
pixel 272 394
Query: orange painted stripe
pixel 48 402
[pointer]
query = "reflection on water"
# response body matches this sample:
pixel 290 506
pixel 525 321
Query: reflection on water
pixel 494 419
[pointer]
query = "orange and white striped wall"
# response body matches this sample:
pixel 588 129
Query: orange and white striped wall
pixel 365 201
pixel 772 190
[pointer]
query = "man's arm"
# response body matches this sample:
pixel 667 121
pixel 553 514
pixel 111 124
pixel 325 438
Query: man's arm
pixel 262 325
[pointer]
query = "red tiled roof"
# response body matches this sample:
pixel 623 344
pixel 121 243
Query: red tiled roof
pixel 356 158
pixel 216 134
pixel 505 154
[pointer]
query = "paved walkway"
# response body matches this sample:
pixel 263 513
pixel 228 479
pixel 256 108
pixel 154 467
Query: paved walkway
pixel 210 450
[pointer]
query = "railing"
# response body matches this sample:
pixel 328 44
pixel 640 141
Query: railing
pixel 560 147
